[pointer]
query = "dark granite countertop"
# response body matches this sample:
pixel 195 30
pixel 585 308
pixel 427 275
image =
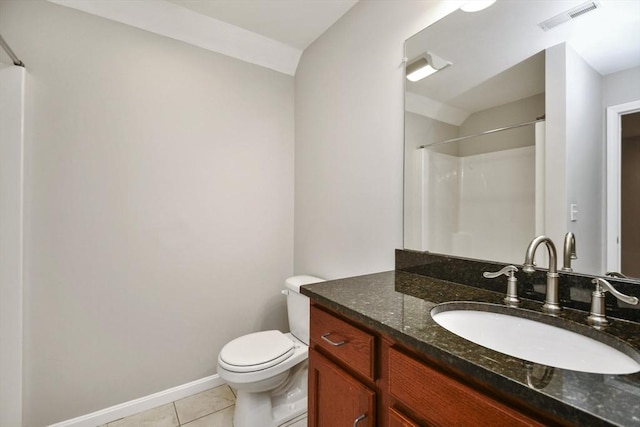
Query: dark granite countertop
pixel 398 304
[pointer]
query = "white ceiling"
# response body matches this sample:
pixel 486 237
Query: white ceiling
pixel 269 33
pixel 489 47
pixel 295 23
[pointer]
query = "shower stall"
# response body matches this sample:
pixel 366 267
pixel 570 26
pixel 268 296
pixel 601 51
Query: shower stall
pixel 479 195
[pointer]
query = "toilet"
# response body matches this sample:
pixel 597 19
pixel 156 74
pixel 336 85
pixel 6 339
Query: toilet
pixel 268 369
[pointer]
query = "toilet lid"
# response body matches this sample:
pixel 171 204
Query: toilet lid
pixel 257 351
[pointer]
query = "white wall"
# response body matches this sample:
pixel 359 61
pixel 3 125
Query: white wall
pixel 585 162
pixel 574 155
pixel 349 138
pixel 12 85
pixel 159 207
pixel 555 192
pixel 621 87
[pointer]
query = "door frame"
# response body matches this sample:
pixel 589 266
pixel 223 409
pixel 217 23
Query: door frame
pixel 613 184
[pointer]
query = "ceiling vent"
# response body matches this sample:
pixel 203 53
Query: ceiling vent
pixel 568 15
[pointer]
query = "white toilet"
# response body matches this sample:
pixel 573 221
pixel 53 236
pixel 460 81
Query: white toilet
pixel 269 369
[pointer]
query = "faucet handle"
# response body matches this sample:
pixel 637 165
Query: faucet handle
pixel 508 271
pixel 616 274
pixel 602 283
pixel 512 284
pixel 597 316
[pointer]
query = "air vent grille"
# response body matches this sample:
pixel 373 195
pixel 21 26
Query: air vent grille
pixel 569 15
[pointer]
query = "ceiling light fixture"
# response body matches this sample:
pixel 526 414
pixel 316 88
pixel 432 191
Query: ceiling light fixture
pixel 425 65
pixel 476 5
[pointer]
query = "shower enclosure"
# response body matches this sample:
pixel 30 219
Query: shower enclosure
pixel 478 195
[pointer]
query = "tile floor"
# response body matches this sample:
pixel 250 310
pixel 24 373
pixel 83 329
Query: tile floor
pixel 211 408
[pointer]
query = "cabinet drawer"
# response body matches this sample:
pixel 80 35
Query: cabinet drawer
pixel 345 342
pixel 441 400
pixel 396 419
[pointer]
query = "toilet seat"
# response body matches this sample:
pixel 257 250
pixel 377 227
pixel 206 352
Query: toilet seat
pixel 255 352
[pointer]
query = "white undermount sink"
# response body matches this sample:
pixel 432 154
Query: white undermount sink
pixel 507 331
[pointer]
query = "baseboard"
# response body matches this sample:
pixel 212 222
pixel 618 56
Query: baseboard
pixel 122 410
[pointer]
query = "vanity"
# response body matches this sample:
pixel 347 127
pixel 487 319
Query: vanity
pixel 377 358
pixel 503 142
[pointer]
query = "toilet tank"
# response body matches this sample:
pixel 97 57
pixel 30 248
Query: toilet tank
pixel 298 306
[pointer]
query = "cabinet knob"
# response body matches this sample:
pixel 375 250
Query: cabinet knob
pixel 357 420
pixel 333 343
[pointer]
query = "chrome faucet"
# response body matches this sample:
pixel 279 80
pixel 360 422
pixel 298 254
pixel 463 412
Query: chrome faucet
pixel 569 251
pixel 551 303
pixel 597 317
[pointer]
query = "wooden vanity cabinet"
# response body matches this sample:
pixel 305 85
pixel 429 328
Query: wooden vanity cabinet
pixel 354 372
pixel 436 399
pixel 337 398
pixel 341 390
pixel 397 419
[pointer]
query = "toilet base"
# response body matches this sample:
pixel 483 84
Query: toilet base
pixel 275 408
pixel 253 409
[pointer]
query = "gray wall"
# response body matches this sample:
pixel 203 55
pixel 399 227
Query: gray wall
pixel 159 207
pixel 349 139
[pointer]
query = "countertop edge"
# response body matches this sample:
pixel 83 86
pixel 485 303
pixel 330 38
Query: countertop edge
pixel 500 384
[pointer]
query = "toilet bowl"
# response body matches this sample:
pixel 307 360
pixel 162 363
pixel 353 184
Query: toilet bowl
pixel 268 369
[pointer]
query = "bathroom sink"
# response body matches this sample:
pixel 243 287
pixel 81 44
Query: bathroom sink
pixel 538 338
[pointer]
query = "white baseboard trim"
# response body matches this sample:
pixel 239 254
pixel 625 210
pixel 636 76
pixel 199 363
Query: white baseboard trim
pixel 122 410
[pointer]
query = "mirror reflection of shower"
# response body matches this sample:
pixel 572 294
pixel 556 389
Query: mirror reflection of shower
pixel 583 67
pixel 474 185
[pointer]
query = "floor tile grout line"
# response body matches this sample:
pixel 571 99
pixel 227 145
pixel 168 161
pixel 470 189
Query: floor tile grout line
pixel 211 413
pixel 180 423
pixel 175 410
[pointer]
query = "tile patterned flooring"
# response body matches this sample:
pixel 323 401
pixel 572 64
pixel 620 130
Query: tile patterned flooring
pixel 211 408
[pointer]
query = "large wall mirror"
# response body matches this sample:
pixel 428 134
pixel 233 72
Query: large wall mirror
pixel 529 126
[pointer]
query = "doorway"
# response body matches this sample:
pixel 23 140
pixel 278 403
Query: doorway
pixel 629 191
pixel 623 186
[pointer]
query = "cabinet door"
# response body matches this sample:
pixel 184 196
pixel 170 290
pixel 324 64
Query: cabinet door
pixel 336 398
